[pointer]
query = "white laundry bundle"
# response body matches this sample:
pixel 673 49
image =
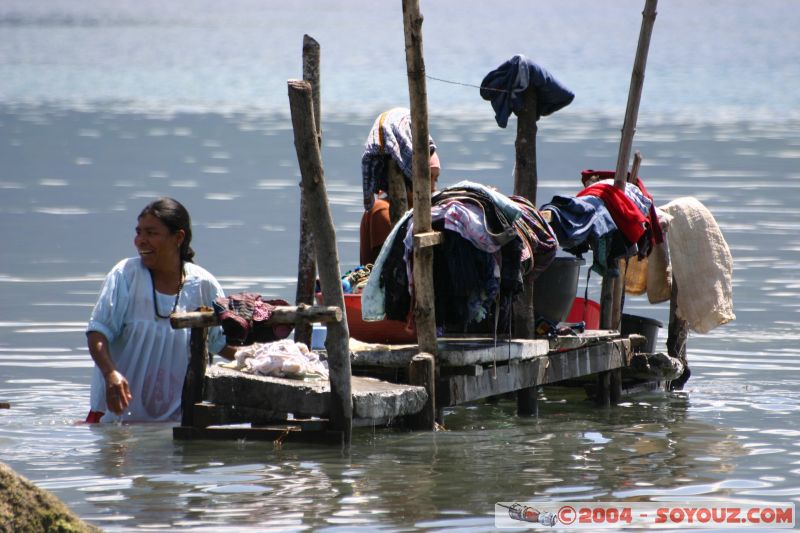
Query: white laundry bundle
pixel 283 358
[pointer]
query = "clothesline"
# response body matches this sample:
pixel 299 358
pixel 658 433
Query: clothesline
pixel 467 84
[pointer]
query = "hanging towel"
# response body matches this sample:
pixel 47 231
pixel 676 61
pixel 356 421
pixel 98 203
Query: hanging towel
pixel 702 265
pixel 504 87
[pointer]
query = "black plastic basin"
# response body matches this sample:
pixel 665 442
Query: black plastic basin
pixel 554 290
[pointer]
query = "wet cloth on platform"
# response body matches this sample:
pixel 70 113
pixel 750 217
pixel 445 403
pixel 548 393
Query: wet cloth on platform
pixel 702 265
pixel 283 358
pixel 505 86
pixel 388 140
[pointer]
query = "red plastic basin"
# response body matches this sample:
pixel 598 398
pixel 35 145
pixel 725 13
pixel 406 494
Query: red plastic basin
pixel 590 313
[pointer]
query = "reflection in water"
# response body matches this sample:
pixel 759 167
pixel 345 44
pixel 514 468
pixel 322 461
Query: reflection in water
pixel 732 434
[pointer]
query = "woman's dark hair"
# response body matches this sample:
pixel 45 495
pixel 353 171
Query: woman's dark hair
pixel 172 213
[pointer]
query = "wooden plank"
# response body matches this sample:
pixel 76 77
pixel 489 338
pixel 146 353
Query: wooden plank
pixel 431 238
pixel 309 159
pixel 372 398
pixel 280 315
pixel 542 370
pixel 455 352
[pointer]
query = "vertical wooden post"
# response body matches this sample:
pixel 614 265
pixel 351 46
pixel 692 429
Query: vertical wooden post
pixel 528 402
pixel 424 311
pixel 525 174
pixel 609 316
pixel 525 184
pixel 398 196
pixel 677 334
pixel 195 375
pixel 337 341
pixel 307 267
pixel 422 372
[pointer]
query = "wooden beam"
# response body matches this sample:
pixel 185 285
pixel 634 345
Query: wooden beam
pixel 424 311
pixel 306 263
pixel 517 375
pixel 194 380
pixel 431 238
pixel 336 343
pixel 525 184
pixel 280 315
pixel 422 372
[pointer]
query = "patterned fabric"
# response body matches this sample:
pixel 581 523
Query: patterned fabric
pixel 243 317
pixel 388 140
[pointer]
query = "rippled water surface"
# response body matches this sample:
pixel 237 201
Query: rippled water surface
pixel 88 147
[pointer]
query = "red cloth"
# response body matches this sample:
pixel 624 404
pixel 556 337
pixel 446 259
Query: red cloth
pixel 657 235
pixel 630 221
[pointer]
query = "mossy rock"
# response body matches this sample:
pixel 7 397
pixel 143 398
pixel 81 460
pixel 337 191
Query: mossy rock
pixel 24 508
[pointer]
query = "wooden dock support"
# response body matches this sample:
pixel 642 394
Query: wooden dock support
pixel 195 374
pixel 525 185
pixel 422 372
pixel 528 401
pixel 677 334
pixel 306 263
pixel 200 321
pixel 424 311
pixel 337 342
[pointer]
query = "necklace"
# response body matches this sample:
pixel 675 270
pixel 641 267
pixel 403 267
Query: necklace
pixel 177 296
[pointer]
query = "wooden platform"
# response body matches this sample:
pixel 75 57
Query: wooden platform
pixel 373 399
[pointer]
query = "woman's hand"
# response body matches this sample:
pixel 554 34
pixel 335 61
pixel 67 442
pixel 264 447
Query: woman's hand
pixel 118 394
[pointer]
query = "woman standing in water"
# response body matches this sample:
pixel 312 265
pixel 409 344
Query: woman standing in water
pixel 140 361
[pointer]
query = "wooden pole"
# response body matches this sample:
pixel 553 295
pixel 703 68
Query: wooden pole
pixel 306 264
pixel 677 334
pixel 525 174
pixel 422 372
pixel 635 92
pixel 610 314
pixel 398 197
pixel 337 342
pixel 525 184
pixel 195 375
pixel 424 312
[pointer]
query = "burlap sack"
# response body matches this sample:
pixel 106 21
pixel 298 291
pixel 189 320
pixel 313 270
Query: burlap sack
pixel 702 265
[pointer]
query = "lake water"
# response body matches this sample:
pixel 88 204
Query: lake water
pixel 104 106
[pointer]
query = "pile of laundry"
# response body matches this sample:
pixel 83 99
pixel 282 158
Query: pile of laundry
pixel 490 242
pixel 680 241
pixel 284 359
